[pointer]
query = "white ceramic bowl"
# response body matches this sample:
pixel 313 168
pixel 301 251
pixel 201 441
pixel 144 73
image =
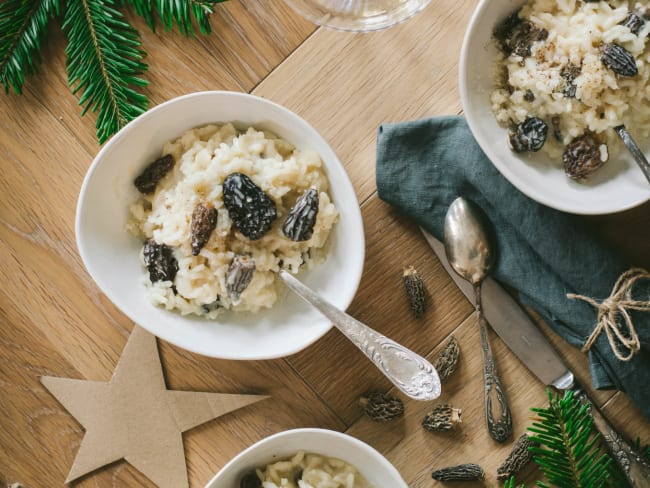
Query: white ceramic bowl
pixel 372 465
pixel 110 253
pixel 619 185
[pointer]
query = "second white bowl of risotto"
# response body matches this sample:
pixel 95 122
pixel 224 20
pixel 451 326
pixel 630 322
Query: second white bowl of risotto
pixel 188 213
pixel 309 458
pixel 545 83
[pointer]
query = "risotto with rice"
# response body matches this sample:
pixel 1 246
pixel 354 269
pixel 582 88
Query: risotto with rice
pixel 222 211
pixel 574 70
pixel 306 470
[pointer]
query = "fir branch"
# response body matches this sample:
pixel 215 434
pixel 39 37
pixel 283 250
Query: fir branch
pixel 569 453
pixel 104 62
pixel 179 12
pixel 23 26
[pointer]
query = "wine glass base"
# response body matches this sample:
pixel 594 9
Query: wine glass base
pixel 357 15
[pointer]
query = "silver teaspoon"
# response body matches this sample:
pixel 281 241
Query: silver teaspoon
pixel 471 255
pixel 412 374
pixel 634 149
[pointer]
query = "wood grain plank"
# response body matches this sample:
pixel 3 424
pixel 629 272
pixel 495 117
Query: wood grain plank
pixel 417 452
pixel 347 85
pixel 33 426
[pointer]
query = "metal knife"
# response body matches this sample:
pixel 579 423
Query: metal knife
pixel 521 335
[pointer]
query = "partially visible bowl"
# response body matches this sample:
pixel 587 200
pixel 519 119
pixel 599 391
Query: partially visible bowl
pixel 377 470
pixel 110 252
pixel 617 186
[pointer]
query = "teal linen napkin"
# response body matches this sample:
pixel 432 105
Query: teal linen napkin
pixel 422 166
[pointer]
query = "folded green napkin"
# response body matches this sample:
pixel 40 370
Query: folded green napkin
pixel 422 166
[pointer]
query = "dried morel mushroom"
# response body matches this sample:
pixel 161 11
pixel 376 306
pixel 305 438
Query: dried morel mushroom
pixel 204 221
pixel 517 459
pixel 251 210
pixel 462 472
pixel 250 480
pixel 516 36
pixel 147 181
pixel 634 21
pixel 446 361
pixel 584 155
pixel 299 225
pixel 530 135
pixel 524 36
pixel 504 30
pixel 160 261
pixel 442 418
pixel 619 60
pixel 382 407
pixel 240 274
pixel 415 292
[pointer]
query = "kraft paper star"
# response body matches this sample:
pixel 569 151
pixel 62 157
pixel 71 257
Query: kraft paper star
pixel 135 417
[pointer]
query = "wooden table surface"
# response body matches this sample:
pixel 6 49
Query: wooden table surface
pixel 55 321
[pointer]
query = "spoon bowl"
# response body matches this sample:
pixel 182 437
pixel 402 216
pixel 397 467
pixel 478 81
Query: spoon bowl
pixel 467 243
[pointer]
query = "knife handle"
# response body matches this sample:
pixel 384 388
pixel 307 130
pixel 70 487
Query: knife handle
pixel 634 466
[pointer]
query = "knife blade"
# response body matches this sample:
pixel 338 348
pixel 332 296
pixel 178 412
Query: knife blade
pixel 521 335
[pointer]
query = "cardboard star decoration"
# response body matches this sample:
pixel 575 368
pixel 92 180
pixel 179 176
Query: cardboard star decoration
pixel 135 417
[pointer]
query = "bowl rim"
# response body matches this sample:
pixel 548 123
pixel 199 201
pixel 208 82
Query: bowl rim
pixel 169 336
pixel 358 443
pixel 520 183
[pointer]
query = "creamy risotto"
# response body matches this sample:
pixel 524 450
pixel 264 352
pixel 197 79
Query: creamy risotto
pixel 569 72
pixel 306 470
pixel 222 211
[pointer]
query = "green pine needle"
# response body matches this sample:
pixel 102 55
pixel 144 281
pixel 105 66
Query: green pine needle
pixel 104 63
pixel 23 25
pixel 180 12
pixel 104 55
pixel 569 452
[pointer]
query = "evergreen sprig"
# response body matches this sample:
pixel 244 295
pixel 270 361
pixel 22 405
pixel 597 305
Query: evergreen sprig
pixel 23 25
pixel 569 451
pixel 104 53
pixel 104 63
pixel 179 12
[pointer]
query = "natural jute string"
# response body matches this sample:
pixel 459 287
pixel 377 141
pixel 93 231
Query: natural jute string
pixel 620 302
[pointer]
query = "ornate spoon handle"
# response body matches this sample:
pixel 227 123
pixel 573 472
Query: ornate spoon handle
pixel 408 371
pixel 634 466
pixel 499 428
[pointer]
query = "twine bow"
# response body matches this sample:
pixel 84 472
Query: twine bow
pixel 620 302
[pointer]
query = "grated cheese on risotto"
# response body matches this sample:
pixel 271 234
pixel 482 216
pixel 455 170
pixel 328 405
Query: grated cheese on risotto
pixel 306 470
pixel 564 80
pixel 204 157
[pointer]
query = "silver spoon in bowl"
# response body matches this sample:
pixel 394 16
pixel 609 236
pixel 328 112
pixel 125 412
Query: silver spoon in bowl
pixel 411 373
pixel 470 253
pixel 634 149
